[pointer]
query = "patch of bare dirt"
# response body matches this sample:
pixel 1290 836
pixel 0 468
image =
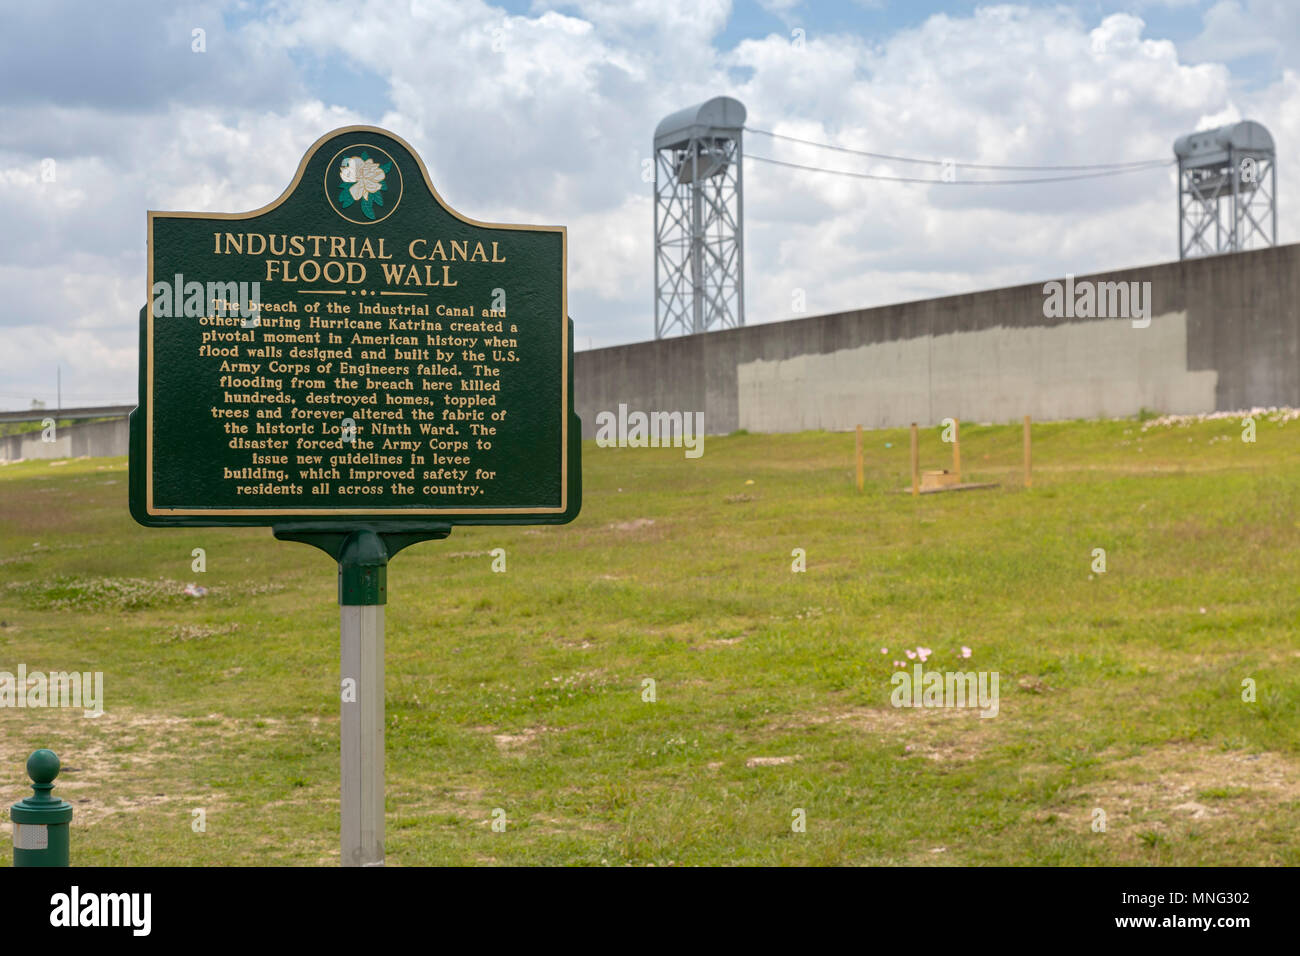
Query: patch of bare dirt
pixel 772 761
pixel 1182 783
pixel 636 524
pixel 936 733
pixel 519 741
pixel 112 763
pixel 719 642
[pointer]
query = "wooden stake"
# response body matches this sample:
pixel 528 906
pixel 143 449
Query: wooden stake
pixel 859 458
pixel 956 449
pixel 916 463
pixel 1029 478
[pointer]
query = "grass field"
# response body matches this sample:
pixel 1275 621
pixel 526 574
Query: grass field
pixel 524 691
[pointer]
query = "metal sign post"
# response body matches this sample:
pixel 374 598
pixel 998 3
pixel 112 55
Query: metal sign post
pixel 362 555
pixel 362 731
pixel 362 570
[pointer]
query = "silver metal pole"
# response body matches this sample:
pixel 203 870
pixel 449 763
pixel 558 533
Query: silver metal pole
pixel 1182 248
pixel 1234 169
pixel 697 243
pixel 362 729
pixel 659 326
pixel 740 228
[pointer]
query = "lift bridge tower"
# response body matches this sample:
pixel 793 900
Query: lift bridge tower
pixel 699 219
pixel 1227 190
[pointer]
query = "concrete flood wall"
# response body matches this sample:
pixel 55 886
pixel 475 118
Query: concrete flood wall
pixel 1224 334
pixel 95 439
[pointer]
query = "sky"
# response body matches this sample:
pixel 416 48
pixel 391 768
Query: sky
pixel 541 112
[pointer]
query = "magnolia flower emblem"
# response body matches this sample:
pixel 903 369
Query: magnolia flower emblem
pixel 365 175
pixel 362 181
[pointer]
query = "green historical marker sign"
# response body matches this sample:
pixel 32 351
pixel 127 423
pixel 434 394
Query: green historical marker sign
pixel 360 367
pixel 356 351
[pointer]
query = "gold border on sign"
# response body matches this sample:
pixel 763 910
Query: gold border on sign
pixel 388 212
pixel 428 182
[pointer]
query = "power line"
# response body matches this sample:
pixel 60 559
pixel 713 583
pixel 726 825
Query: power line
pixel 1140 163
pixel 957 182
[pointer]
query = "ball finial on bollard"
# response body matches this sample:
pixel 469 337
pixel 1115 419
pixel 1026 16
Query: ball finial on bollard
pixel 43 766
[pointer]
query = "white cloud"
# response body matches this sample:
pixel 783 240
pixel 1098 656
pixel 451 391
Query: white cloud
pixel 546 118
pixel 1233 30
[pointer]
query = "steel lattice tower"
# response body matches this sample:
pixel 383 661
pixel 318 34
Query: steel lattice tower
pixel 699 219
pixel 1227 189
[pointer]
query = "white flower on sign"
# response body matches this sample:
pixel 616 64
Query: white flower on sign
pixel 365 175
pixel 362 182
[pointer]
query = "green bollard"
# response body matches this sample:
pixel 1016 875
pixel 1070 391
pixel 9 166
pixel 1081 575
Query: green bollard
pixel 41 821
